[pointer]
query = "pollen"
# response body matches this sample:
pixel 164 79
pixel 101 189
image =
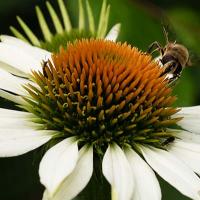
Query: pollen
pixel 100 92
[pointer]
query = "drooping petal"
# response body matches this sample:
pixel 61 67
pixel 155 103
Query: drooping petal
pixel 58 162
pixel 81 20
pixel 101 19
pixel 20 141
pixel 21 59
pixel 65 15
pixel 90 17
pixel 43 25
pixel 37 53
pixel 113 33
pixel 173 170
pixel 117 171
pixel 78 179
pixel 146 183
pixel 55 19
pixel 29 33
pixel 12 83
pixel 187 152
pixel 191 118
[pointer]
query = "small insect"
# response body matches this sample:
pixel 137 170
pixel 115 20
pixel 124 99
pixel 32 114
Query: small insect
pixel 44 64
pixel 173 57
pixel 168 140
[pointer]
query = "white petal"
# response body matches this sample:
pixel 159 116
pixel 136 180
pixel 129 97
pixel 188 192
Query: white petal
pixel 37 53
pixel 113 33
pixel 117 171
pixel 17 142
pixel 173 170
pixel 78 179
pixel 12 83
pixel 18 58
pixel 57 163
pixel 187 145
pixel 14 113
pixel 13 70
pixel 191 118
pixel 17 124
pixel 11 97
pixel 189 110
pixel 186 152
pixel 185 135
pixel 146 183
pixel 11 119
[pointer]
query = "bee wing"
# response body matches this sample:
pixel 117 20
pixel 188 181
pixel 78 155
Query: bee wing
pixel 194 59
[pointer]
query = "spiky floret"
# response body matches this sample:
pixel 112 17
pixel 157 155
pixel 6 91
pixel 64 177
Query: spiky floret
pixel 100 92
pixel 64 31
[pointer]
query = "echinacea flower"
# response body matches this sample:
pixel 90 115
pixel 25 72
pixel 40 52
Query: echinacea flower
pixel 97 99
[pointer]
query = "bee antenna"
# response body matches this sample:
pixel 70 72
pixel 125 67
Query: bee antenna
pixel 166 35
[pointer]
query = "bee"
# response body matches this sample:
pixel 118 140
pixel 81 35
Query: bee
pixel 173 57
pixel 168 140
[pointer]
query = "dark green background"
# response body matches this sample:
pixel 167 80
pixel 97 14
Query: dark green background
pixel 141 25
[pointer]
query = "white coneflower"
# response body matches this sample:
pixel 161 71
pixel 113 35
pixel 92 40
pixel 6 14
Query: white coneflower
pixel 98 99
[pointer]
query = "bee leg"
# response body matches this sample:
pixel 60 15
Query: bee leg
pixel 155 46
pixel 173 68
pixel 172 81
pixel 168 67
pixel 170 72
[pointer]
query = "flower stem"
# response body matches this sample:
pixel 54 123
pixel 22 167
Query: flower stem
pixel 98 188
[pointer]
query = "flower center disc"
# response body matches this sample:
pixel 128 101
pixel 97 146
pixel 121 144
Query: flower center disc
pixel 101 91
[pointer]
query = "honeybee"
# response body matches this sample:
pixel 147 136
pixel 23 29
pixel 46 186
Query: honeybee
pixel 173 57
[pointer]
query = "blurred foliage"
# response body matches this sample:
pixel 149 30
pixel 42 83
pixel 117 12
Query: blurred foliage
pixel 141 25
